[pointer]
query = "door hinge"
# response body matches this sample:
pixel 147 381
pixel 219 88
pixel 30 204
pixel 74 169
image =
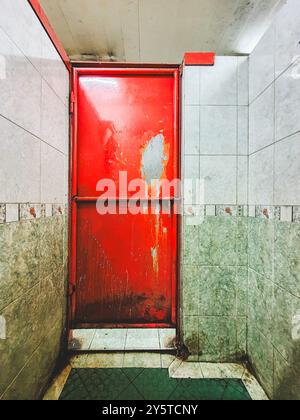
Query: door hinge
pixel 72 103
pixel 72 289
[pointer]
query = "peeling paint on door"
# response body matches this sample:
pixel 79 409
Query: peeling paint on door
pixel 154 159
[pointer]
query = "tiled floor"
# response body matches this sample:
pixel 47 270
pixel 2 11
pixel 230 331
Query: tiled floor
pixel 147 384
pixel 122 339
pixel 131 375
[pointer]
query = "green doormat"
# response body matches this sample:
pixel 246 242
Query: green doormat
pixel 149 385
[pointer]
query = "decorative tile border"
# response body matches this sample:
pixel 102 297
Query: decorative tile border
pixel 10 213
pixel 268 212
pixel 296 214
pixel 281 213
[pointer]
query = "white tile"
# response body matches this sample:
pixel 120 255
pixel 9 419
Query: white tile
pixel 218 85
pixel 167 360
pixel 80 340
pixel 101 360
pixel 53 69
pixel 192 85
pixel 243 130
pixel 242 193
pixel 261 120
pixel 12 213
pixel 49 210
pixel 243 81
pixel 57 385
pixel 222 370
pixel 54 119
pixel 261 65
pixel 20 87
pixel 192 130
pixel 78 360
pixel 167 338
pixel 30 211
pixel 287 36
pixel 174 366
pixel 286 214
pixel 253 387
pixel 141 339
pixel 192 169
pixel 188 370
pixel 252 211
pixel 20 170
pixel 218 130
pixel 142 360
pixel 2 213
pixel 109 340
pixel 210 210
pixel 261 177
pixel 220 179
pixel 191 175
pixel 22 26
pixel 53 188
pixel 287 102
pixel 287 171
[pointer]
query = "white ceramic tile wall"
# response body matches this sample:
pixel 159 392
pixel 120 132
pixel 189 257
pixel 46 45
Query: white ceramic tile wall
pixel 261 65
pixel 52 175
pixel 243 81
pixel 274 172
pixel 20 87
pixel 218 85
pixel 261 121
pixel 261 177
pixel 243 130
pixel 34 84
pixel 287 171
pixel 23 28
pixel 218 130
pixel 215 128
pixel 192 85
pixel 192 130
pixel 287 36
pixel 220 179
pixel 287 101
pixel 20 164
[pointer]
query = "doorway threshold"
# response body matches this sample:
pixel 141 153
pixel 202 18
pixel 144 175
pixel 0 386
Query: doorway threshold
pixel 122 339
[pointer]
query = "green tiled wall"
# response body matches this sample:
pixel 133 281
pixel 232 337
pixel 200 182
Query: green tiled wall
pixel 241 296
pixel 215 279
pixel 33 303
pixel 274 305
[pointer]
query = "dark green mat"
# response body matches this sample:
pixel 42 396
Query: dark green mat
pixel 149 385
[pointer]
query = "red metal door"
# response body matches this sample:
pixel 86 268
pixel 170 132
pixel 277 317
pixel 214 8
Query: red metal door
pixel 124 266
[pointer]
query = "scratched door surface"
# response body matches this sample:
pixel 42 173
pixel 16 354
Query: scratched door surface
pixel 125 264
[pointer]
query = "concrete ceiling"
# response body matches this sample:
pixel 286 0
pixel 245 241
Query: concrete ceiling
pixel 158 30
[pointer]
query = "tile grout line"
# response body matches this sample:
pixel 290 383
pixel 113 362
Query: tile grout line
pixel 92 340
pixel 294 63
pixel 275 143
pixel 32 134
pixel 38 71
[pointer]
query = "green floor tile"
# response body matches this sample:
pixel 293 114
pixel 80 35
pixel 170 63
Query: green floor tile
pixel 132 373
pixel 74 389
pixel 130 394
pixel 155 384
pixel 199 389
pixel 235 391
pixel 147 384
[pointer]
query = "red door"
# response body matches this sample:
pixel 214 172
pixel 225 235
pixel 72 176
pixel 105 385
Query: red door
pixel 124 265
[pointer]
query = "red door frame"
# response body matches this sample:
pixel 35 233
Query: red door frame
pixel 134 69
